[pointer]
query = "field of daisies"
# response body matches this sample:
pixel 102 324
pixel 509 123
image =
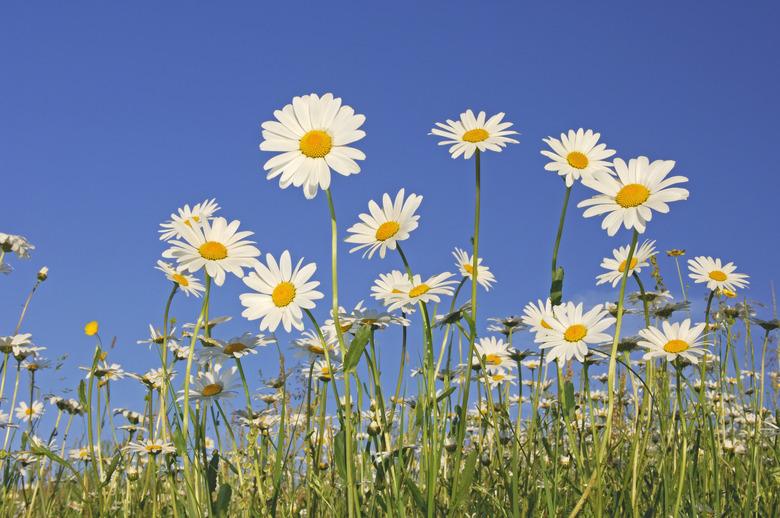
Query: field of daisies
pixel 641 406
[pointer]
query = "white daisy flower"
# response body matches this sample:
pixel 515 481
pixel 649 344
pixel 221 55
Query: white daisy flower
pixel 215 246
pixel 717 275
pixel 495 376
pixel 538 316
pixel 321 371
pixel 389 285
pixel 640 188
pixel 572 331
pixel 156 337
pixel 7 343
pixel 187 218
pixel 18 245
pixel 678 339
pixel 471 133
pixel 282 292
pixel 384 226
pixel 187 283
pixel 214 384
pixel 150 447
pixel 577 155
pixel 616 265
pixel 465 264
pixel 234 348
pixel 495 351
pixel 312 136
pixel 82 454
pixel 31 412
pixel 311 343
pixel 416 290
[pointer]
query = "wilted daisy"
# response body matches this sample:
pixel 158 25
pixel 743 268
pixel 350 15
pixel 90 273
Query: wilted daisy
pixel 150 447
pixel 216 246
pixel 25 412
pixel 384 226
pixel 493 351
pixel 187 283
pixel 214 384
pixel 572 331
pixel 538 316
pixel 18 245
pixel 717 275
pixel 187 217
pixel 616 265
pixel 282 292
pixel 312 136
pixel 470 133
pixel 577 155
pixel 465 264
pixel 673 340
pixel 416 290
pixel 640 188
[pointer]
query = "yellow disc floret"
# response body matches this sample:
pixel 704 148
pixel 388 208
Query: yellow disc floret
pixel 577 160
pixel 213 250
pixel 632 195
pixel 575 333
pixel 476 135
pixel 283 294
pixel 387 230
pixel 316 144
pixel 676 346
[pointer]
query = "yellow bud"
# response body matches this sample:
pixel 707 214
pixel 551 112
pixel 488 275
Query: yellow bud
pixel 91 328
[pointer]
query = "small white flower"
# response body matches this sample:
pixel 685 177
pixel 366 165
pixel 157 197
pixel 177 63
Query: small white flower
pixel 673 340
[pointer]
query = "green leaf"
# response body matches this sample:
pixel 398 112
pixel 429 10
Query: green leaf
pixel 339 453
pixel 466 477
pixel 568 390
pixel 83 394
pixel 111 468
pixel 556 288
pixel 417 495
pixel 223 499
pixel 445 394
pixel 357 347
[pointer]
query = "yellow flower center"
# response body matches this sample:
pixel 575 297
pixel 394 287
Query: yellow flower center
pixel 622 267
pixel 476 135
pixel 420 290
pixel 213 251
pixel 469 268
pixel 493 359
pixel 498 377
pixel 316 144
pixel 395 291
pixel 180 279
pixel 545 325
pixel 717 275
pixel 675 346
pixel 325 373
pixel 728 293
pixel 575 333
pixel 315 349
pixel 577 160
pixel 154 449
pixel 235 347
pixel 387 230
pixel 632 195
pixel 211 390
pixel 283 294
pixel 28 411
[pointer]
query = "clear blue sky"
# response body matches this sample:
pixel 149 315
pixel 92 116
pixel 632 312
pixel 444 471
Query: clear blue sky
pixel 112 116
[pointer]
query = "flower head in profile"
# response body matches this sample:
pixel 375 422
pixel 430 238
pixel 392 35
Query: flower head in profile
pixel 717 276
pixel 186 282
pixel 281 293
pixel 572 331
pixel 390 285
pixel 187 217
pixel 236 347
pixel 150 447
pixel 7 343
pixel 616 265
pixel 383 227
pixel 25 412
pixel 495 376
pixel 322 371
pixel 472 133
pixel 577 155
pixel 673 341
pixel 216 246
pixel 18 245
pixel 310 343
pixel 312 136
pixel 493 351
pixel 214 384
pixel 416 290
pixel 465 264
pixel 640 188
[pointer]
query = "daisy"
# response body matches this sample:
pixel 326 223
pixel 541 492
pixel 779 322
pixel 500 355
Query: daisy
pixel 388 285
pixel 493 351
pixel 471 133
pixel 29 413
pixel 80 454
pixel 617 266
pixel 717 275
pixel 416 290
pixel 156 337
pixel 217 246
pixel 538 316
pixel 384 226
pixel 150 447
pixel 282 292
pixel 640 188
pixel 214 384
pixel 187 283
pixel 495 376
pixel 187 218
pixel 572 331
pixel 7 343
pixel 312 136
pixel 678 339
pixel 18 245
pixel 210 325
pixel 321 371
pixel 236 347
pixel 577 155
pixel 311 343
pixel 465 264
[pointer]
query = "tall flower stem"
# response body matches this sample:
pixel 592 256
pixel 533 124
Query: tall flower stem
pixel 352 506
pixel 556 286
pixel 164 354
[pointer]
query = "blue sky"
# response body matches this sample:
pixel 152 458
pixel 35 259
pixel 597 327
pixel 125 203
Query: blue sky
pixel 115 115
